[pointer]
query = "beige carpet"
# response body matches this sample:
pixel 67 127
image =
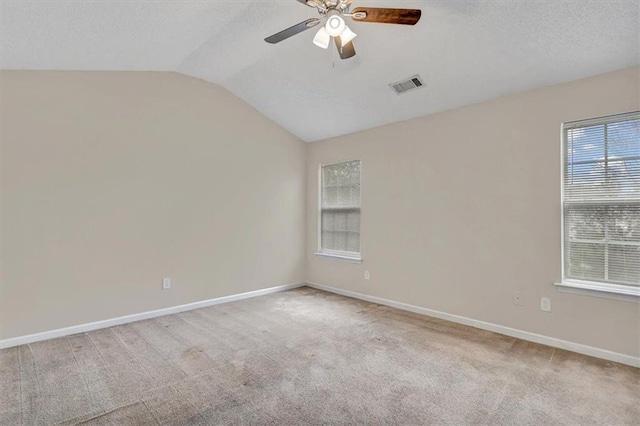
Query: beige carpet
pixel 308 357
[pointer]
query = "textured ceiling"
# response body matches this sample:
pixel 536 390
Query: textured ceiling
pixel 467 51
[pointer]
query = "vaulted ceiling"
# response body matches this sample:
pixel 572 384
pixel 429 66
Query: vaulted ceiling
pixel 467 51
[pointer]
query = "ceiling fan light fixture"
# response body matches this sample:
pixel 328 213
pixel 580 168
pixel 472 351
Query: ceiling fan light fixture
pixel 335 25
pixel 322 38
pixel 331 23
pixel 347 35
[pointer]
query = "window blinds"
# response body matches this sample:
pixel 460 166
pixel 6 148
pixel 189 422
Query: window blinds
pixel 340 208
pixel 601 200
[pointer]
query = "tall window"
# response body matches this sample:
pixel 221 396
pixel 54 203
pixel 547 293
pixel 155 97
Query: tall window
pixel 340 209
pixel 601 200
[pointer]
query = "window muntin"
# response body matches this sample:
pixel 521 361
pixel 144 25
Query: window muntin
pixel 340 208
pixel 601 200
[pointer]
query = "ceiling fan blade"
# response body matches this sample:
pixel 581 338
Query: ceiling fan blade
pixel 386 16
pixel 291 31
pixel 347 51
pixel 308 4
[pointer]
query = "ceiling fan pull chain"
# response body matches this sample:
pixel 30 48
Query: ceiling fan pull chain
pixel 333 58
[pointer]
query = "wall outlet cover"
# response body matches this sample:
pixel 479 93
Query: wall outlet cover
pixel 545 304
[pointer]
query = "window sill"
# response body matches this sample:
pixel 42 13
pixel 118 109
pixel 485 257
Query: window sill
pixel 609 291
pixel 342 257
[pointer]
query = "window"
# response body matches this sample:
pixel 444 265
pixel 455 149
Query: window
pixel 340 210
pixel 601 203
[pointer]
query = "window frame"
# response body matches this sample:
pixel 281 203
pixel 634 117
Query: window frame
pixel 625 292
pixel 351 257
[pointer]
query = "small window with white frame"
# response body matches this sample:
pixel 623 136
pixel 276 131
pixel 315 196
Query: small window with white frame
pixel 339 220
pixel 601 203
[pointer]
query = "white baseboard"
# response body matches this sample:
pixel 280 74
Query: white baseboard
pixel 507 331
pixel 67 331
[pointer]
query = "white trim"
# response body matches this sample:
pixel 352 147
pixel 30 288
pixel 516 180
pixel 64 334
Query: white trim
pixel 319 201
pixel 610 291
pixel 562 149
pixel 319 209
pixel 631 115
pixel 67 331
pixel 570 285
pixel 507 331
pixel 346 258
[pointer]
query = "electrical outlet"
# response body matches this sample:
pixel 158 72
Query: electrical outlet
pixel 166 283
pixel 518 299
pixel 545 304
pixel 366 275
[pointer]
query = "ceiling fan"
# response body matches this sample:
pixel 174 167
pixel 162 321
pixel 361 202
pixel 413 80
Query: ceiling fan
pixel 332 13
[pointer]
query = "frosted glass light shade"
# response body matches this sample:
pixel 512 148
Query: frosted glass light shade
pixel 322 38
pixel 335 26
pixel 347 35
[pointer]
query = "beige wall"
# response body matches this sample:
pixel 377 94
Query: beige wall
pixel 111 181
pixel 462 209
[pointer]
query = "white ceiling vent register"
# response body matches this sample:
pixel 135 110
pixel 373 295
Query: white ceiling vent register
pixel 411 83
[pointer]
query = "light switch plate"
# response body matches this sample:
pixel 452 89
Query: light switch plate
pixel 166 283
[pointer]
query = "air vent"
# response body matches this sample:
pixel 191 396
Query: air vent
pixel 407 85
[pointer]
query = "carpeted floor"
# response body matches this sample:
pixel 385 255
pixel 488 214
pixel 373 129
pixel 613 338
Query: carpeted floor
pixel 308 357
